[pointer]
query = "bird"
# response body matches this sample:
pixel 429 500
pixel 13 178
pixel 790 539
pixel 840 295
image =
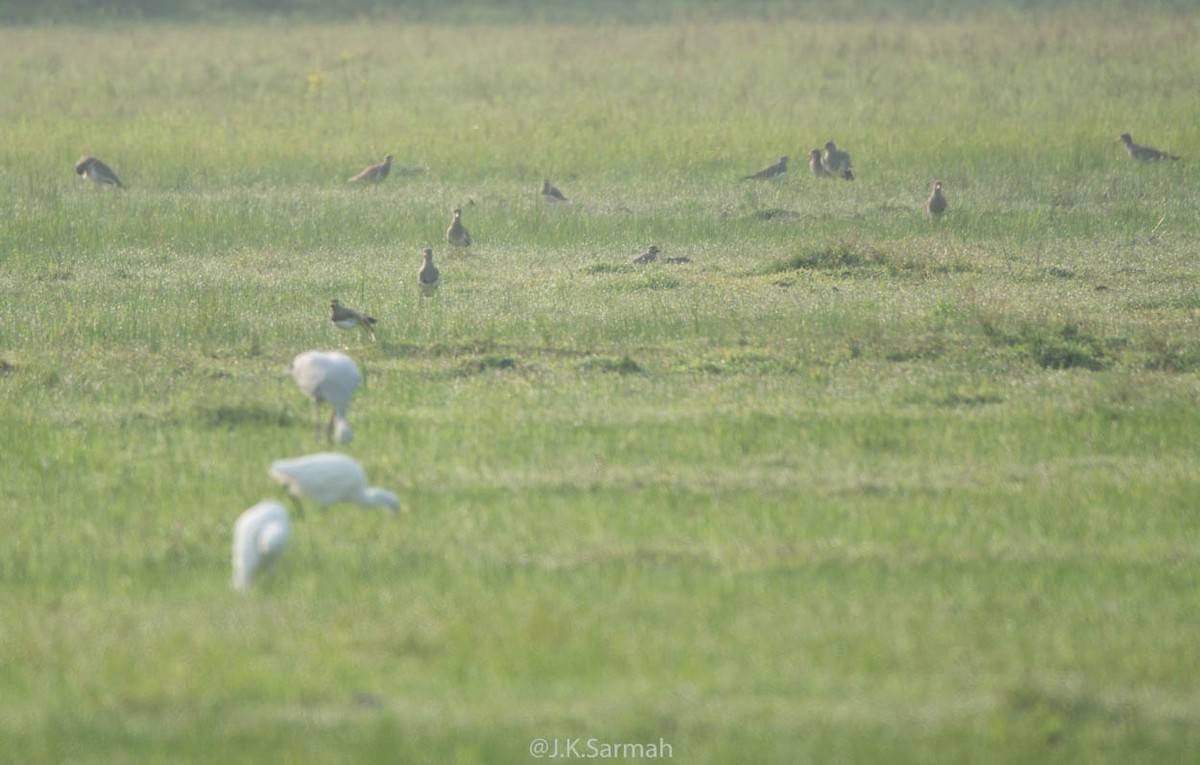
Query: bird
pixel 651 254
pixel 374 173
pixel 1143 153
pixel 95 170
pixel 331 377
pixel 457 234
pixel 936 204
pixel 552 194
pixel 771 173
pixel 428 278
pixel 328 478
pixel 679 260
pixel 837 162
pixel 816 165
pixel 348 318
pixel 260 535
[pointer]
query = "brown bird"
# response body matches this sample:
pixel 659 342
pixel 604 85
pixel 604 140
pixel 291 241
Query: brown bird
pixel 348 318
pixel 551 194
pixel 95 170
pixel 457 234
pixel 816 165
pixel 936 204
pixel 374 173
pixel 428 278
pixel 650 255
pixel 770 173
pixel 1143 153
pixel 837 162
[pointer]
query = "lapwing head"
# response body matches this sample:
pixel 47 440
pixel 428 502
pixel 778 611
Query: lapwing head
pixel 653 249
pixel 82 165
pixel 830 146
pixel 457 212
pixel 1125 138
pixel 937 185
pixel 428 253
pixel 387 160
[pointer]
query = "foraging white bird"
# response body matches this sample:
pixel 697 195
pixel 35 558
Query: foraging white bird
pixel 428 278
pixel 327 478
pixel 259 536
pixel 95 170
pixel 331 377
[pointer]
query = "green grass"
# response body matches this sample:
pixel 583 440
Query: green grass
pixel 847 487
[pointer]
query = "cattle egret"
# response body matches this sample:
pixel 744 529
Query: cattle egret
pixel 259 536
pixel 374 173
pixel 816 165
pixel 552 194
pixel 331 377
pixel 651 254
pixel 770 173
pixel 95 170
pixel 837 162
pixel 344 317
pixel 428 278
pixel 327 478
pixel 457 234
pixel 1143 153
pixel 936 204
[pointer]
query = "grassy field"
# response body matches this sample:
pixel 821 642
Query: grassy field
pixel 847 487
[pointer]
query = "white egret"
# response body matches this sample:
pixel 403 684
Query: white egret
pixel 327 478
pixel 331 377
pixel 259 536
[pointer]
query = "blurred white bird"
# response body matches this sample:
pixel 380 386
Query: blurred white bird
pixel 327 478
pixel 331 377
pixel 259 536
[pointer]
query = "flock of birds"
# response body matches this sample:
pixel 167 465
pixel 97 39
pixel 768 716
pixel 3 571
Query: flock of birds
pixel 262 532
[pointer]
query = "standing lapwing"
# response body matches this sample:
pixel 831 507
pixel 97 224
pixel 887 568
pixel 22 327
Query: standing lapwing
pixel 649 256
pixel 95 170
pixel 428 278
pixel 552 194
pixel 348 318
pixel 935 206
pixel 770 173
pixel 837 162
pixel 457 235
pixel 816 165
pixel 374 173
pixel 1143 153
